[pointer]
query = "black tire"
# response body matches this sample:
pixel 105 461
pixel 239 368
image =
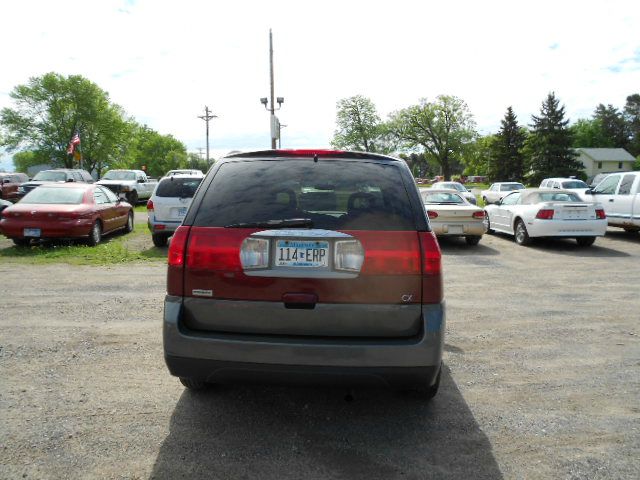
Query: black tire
pixel 159 240
pixel 95 235
pixel 132 198
pixel 472 239
pixel 21 242
pixel 520 233
pixel 585 241
pixel 487 223
pixel 193 384
pixel 128 227
pixel 484 199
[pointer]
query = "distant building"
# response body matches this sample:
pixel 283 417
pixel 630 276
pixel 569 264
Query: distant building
pixel 599 160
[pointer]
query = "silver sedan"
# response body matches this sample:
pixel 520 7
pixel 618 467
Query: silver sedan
pixel 452 215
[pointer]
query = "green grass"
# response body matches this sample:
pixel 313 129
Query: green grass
pixel 114 249
pixel 140 208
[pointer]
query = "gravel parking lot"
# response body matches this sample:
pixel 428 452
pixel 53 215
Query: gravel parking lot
pixel 541 380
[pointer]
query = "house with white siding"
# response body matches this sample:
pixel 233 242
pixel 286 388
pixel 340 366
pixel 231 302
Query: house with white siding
pixel 605 160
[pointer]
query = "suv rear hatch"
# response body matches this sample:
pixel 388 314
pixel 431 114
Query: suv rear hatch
pixel 306 246
pixel 172 198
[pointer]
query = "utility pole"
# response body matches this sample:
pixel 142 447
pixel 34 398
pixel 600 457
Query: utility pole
pixel 273 120
pixel 208 115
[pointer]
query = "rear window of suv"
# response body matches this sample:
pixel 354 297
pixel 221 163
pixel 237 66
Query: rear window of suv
pixel 178 187
pixel 333 194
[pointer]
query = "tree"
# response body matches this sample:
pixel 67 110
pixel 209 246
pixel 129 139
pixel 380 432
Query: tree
pixel 613 125
pixel 358 125
pixel 507 156
pixel 443 128
pixel 25 159
pixel 588 133
pixel 549 144
pixel 477 156
pixel 157 153
pixel 632 120
pixel 49 109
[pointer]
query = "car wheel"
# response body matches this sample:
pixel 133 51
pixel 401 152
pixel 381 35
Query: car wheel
pixel 427 393
pixel 521 234
pixel 193 384
pixel 96 235
pixel 484 199
pixel 21 242
pixel 128 228
pixel 487 222
pixel 159 240
pixel 585 241
pixel 473 239
pixel 132 198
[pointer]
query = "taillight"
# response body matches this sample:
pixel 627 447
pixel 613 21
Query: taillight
pixel 349 255
pixel 479 214
pixel 150 205
pixel 432 214
pixel 176 261
pixel 600 215
pixel 545 214
pixel 432 291
pixel 254 253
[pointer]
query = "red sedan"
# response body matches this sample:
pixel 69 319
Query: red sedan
pixel 69 210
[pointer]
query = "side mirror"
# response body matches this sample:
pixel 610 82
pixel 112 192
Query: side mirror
pixel 70 180
pixel 589 191
pixel 141 180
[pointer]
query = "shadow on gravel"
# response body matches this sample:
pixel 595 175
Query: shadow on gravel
pixel 571 248
pixel 622 236
pixel 458 246
pixel 277 432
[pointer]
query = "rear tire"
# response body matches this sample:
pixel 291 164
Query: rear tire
pixel 95 235
pixel 521 235
pixel 473 239
pixel 487 223
pixel 128 228
pixel 21 242
pixel 585 241
pixel 132 198
pixel 484 199
pixel 159 240
pixel 193 384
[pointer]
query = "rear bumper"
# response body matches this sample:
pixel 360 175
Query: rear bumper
pixel 163 226
pixel 62 229
pixel 567 228
pixel 454 228
pixel 225 358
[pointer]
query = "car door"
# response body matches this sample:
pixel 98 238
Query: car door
pixel 505 211
pixel 106 212
pixel 621 206
pixel 120 212
pixel 604 193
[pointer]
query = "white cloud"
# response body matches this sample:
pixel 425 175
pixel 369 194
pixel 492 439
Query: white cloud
pixel 163 61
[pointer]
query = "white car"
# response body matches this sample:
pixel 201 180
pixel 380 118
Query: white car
pixel 498 190
pixel 195 173
pixel 457 186
pixel 572 184
pixel 540 212
pixel 168 205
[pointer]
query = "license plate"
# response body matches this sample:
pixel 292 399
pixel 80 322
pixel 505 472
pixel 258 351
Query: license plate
pixel 455 229
pixel 182 211
pixel 300 253
pixel 31 232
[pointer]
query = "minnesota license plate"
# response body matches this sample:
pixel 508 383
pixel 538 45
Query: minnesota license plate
pixel 31 232
pixel 182 211
pixel 301 253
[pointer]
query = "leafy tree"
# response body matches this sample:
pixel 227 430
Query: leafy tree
pixel 507 161
pixel 157 153
pixel 549 143
pixel 196 162
pixel 443 128
pixel 632 119
pixel 23 160
pixel 588 133
pixel 477 156
pixel 50 108
pixel 613 125
pixel 358 125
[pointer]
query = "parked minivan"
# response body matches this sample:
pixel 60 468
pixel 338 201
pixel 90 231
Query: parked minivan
pixel 619 194
pixel 306 266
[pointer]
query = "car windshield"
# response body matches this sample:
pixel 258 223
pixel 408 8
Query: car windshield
pixel 178 187
pixel 441 197
pixel 508 187
pixel 119 175
pixel 574 184
pixel 452 185
pixel 49 176
pixel 49 195
pixel 326 195
pixel 558 197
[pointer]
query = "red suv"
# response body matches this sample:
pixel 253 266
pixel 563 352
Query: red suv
pixel 308 266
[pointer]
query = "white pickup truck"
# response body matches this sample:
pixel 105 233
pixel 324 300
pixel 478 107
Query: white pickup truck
pixel 134 185
pixel 619 194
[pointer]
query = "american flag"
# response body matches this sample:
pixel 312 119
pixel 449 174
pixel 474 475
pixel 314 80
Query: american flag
pixel 75 140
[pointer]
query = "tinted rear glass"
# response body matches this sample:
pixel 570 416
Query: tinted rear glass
pixel 178 187
pixel 332 194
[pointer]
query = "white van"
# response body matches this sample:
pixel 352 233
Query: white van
pixel 619 194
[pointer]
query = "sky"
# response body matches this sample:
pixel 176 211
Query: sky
pixel 164 61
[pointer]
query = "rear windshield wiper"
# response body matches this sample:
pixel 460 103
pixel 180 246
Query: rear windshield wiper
pixel 283 223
